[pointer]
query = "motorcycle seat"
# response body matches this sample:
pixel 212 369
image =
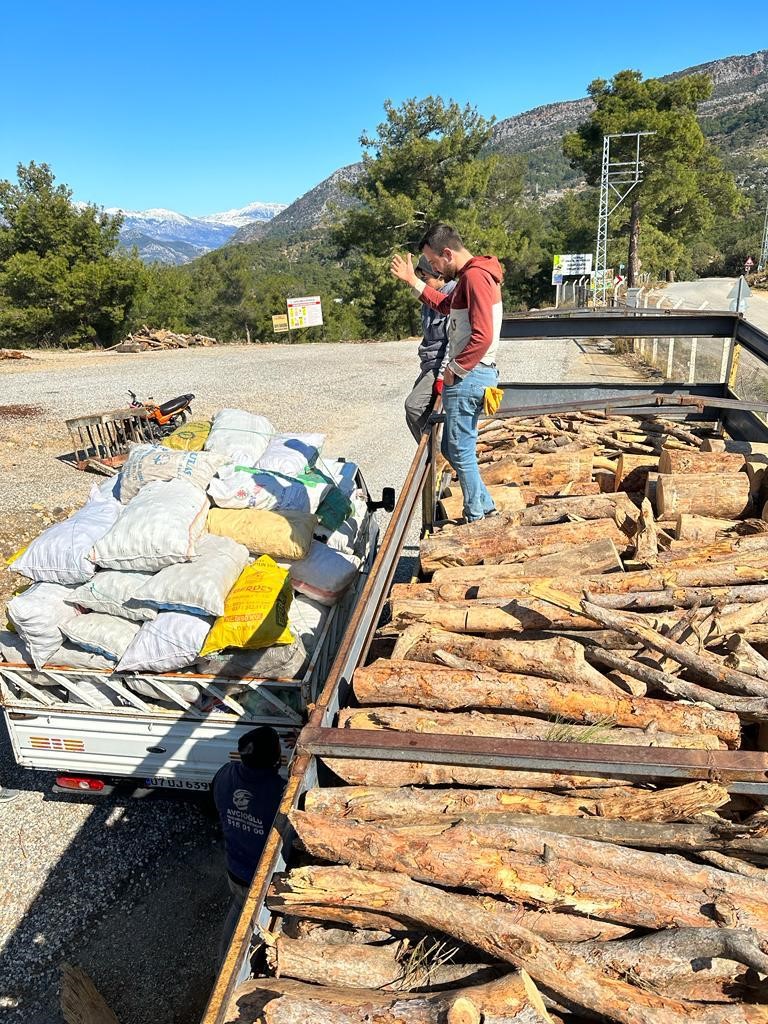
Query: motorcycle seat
pixel 175 404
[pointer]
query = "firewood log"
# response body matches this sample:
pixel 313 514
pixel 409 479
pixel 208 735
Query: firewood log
pixel 646 539
pixel 392 966
pixel 409 804
pixel 422 685
pixel 491 540
pixel 686 963
pixel 618 883
pixel 276 1001
pixel 693 462
pixel 597 506
pixel 597 557
pixel 714 444
pixel 505 498
pixel 745 658
pixel 695 493
pixel 747 708
pixel 693 528
pixel 359 771
pixel 632 471
pixel 566 974
pixel 558 658
pixel 509 726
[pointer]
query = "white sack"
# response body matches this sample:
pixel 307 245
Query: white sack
pixel 344 475
pixel 199 587
pixel 109 592
pixel 171 641
pixel 149 462
pixel 13 649
pixel 60 553
pixel 108 635
pixel 291 453
pixel 240 488
pixel 241 436
pixel 306 619
pixel 159 527
pixel 324 574
pixel 38 615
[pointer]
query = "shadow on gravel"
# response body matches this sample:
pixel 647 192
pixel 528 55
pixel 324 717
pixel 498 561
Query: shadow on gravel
pixel 137 900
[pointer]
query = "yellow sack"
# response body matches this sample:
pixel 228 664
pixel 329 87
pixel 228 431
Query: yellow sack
pixel 492 400
pixel 283 535
pixel 190 437
pixel 255 610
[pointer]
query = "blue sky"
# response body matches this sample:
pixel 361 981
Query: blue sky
pixel 201 107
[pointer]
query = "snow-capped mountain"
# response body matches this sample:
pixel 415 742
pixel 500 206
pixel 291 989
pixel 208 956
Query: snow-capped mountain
pixel 165 236
pixel 247 215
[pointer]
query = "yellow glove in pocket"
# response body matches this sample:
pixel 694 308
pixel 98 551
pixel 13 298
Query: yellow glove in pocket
pixel 492 400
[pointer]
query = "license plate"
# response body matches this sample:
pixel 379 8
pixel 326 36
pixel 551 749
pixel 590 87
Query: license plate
pixel 161 783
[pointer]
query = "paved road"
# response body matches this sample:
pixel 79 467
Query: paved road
pixel 715 291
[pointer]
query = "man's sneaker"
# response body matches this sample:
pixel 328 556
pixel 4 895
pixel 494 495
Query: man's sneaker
pixel 493 512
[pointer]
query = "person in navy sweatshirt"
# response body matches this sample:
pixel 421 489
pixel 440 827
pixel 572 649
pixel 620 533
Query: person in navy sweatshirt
pixel 247 794
pixel 475 310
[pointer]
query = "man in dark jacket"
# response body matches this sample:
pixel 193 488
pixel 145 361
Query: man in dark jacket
pixel 433 353
pixel 247 794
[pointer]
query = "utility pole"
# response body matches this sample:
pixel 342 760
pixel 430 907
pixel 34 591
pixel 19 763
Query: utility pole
pixel 762 260
pixel 617 180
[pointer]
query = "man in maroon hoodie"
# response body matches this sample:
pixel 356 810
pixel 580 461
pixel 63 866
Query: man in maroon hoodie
pixel 475 311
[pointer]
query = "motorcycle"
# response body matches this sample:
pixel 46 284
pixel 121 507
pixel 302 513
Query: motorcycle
pixel 165 418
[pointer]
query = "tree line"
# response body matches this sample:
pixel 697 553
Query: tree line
pixel 64 280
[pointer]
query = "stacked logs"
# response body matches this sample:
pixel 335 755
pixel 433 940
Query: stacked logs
pixel 149 340
pixel 606 604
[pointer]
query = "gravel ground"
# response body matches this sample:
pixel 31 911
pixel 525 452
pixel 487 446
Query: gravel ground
pixel 125 887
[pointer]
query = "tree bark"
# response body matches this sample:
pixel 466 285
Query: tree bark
pixel 633 254
pixel 745 658
pixel 714 444
pixel 685 963
pixel 359 771
pixel 545 869
pixel 701 528
pixel 559 971
pixel 556 658
pixel 393 966
pixel 276 1001
pixel 510 618
pixel 476 723
pixel 405 804
pixel 476 543
pixel 457 584
pixel 749 708
pixel 707 666
pixel 695 494
pixel 557 925
pixel 646 539
pixel 422 685
pixel 690 462
pixel 596 506
pixel 597 557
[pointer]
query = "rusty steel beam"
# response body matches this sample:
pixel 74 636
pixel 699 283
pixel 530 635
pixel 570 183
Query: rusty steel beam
pixel 736 769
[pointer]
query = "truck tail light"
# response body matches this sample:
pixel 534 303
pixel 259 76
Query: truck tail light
pixel 79 782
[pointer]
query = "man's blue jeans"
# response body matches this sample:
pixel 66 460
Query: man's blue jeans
pixel 463 406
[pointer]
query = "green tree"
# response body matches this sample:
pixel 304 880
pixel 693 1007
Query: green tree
pixel 62 280
pixel 685 185
pixel 426 163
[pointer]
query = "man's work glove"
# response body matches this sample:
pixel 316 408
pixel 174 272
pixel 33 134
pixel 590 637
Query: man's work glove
pixel 437 387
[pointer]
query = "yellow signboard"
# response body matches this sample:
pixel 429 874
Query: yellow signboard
pixel 280 323
pixel 305 312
